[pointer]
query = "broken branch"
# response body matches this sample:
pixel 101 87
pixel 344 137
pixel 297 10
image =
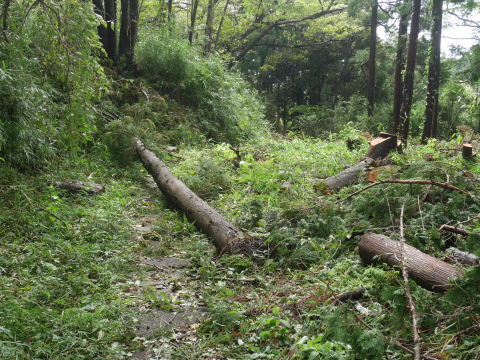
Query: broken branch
pixel 407 182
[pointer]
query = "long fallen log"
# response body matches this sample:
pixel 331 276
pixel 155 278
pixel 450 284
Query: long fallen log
pixel 226 237
pixel 429 272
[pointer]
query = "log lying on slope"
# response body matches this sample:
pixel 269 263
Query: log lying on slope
pixel 379 148
pixel 429 272
pixel 75 186
pixel 226 237
pixel 348 176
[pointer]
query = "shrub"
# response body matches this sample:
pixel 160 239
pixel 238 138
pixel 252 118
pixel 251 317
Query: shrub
pixel 225 107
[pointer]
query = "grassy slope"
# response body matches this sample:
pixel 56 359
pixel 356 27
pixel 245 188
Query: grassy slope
pixel 66 289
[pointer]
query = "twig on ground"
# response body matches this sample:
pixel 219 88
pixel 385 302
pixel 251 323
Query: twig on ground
pixel 468 220
pixel 55 216
pixel 407 182
pixel 460 333
pixel 411 304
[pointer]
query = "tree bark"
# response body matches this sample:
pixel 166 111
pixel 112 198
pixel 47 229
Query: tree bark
pixel 348 176
pixel 226 237
pixel 209 26
pixel 110 44
pixel 169 9
pixel 219 30
pixel 429 272
pixel 463 257
pixel 128 30
pixel 408 82
pixel 431 111
pixel 381 146
pixel 75 186
pixel 467 151
pixel 100 10
pixel 5 14
pixel 399 66
pixel 193 19
pixel 372 58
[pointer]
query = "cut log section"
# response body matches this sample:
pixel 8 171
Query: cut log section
pixel 429 272
pixel 75 186
pixel 467 151
pixel 350 295
pixel 348 176
pixel 226 237
pixel 381 146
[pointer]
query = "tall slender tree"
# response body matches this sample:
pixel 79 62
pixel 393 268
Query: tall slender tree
pixel 110 44
pixel 431 111
pixel 193 20
pixel 209 26
pixel 128 30
pixel 409 78
pixel 372 57
pixel 400 63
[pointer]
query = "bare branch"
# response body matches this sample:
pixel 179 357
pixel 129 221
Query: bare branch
pixel 417 355
pixel 407 182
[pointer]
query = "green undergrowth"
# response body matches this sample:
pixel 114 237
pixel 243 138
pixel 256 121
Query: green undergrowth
pixel 65 263
pixel 69 266
pixel 281 307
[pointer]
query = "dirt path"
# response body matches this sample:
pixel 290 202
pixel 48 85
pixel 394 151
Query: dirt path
pixel 170 309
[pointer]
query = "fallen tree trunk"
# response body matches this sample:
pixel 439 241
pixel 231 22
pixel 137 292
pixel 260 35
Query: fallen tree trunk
pixel 379 148
pixel 75 186
pixel 463 257
pixel 348 176
pixel 429 272
pixel 226 237
pixel 350 295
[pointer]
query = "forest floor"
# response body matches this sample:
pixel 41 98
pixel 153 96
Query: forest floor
pixel 123 275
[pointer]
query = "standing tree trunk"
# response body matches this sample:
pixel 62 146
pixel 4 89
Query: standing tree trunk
pixel 5 9
pixel 209 27
pixel 219 30
pixel 128 30
pixel 372 58
pixel 431 111
pixel 100 10
pixel 226 237
pixel 399 65
pixel 408 82
pixel 110 44
pixel 193 19
pixel 169 9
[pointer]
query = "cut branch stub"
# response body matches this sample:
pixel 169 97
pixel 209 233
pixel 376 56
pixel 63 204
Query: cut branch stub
pixel 429 272
pixel 381 146
pixel 226 237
